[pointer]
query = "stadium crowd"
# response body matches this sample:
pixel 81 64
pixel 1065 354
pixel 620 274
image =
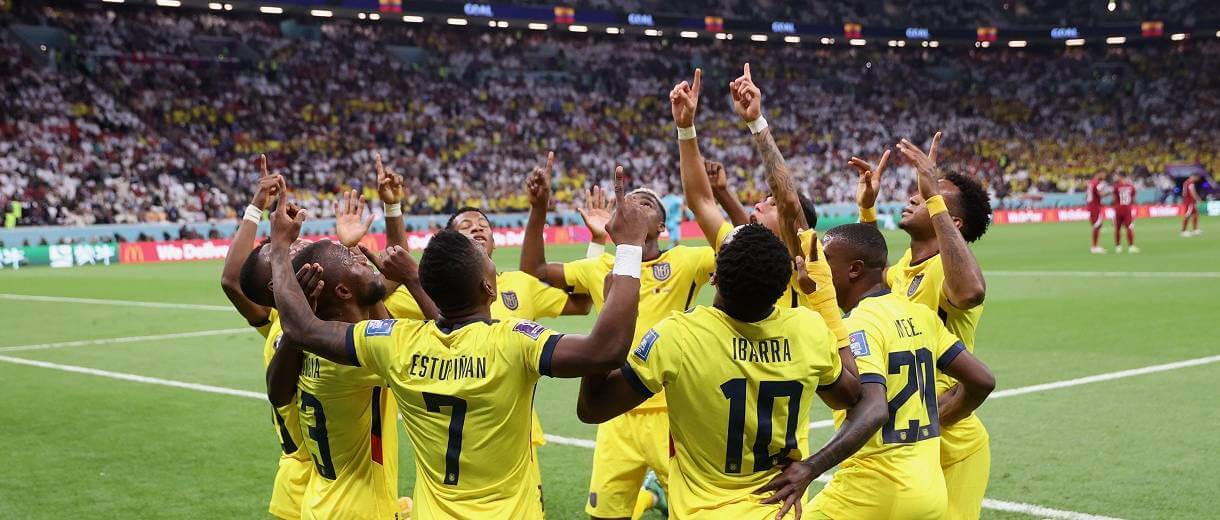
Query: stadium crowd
pixel 149 115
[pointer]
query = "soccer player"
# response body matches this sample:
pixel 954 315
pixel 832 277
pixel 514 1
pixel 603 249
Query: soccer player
pixel 1190 202
pixel 740 377
pixel 784 213
pixel 629 445
pixel 464 383
pixel 940 272
pixel 900 347
pixel 347 417
pixel 1124 214
pixel 1093 194
pixel 674 209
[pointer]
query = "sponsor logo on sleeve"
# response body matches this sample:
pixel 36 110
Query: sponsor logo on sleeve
pixel 641 352
pixel 379 327
pixel 859 344
pixel 529 328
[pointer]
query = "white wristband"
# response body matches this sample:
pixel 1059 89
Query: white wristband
pixel 627 259
pixel 253 214
pixel 686 133
pixel 757 125
pixel 393 210
pixel 595 250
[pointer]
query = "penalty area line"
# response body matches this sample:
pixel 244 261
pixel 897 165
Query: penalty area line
pixel 130 339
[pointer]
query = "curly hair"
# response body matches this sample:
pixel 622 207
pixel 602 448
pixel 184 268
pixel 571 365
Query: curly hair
pixel 464 209
pixel 451 269
pixel 973 206
pixel 752 268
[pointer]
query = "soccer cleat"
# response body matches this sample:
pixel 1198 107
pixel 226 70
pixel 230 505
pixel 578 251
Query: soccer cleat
pixel 1118 249
pixel 1098 250
pixel 1133 249
pixel 1187 234
pixel 405 505
pixel 1197 232
pixel 653 485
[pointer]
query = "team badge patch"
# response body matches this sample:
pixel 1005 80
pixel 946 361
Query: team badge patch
pixel 914 285
pixel 379 327
pixel 661 271
pixel 859 344
pixel 529 328
pixel 645 346
pixel 510 300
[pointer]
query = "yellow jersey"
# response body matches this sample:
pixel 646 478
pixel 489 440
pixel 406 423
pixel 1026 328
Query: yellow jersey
pixel 668 283
pixel 741 394
pixel 293 473
pixel 923 283
pixel 896 474
pixel 823 300
pixel 520 296
pixel 466 396
pixel 348 422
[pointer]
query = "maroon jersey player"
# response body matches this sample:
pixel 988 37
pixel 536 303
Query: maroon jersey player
pixel 1190 202
pixel 1124 214
pixel 1093 193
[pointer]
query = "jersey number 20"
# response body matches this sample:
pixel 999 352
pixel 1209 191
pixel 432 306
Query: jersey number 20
pixel 921 379
pixel 735 391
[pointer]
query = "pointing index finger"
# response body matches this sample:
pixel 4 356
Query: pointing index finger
pixel 697 83
pixel 263 164
pixel 935 144
pixel 746 72
pixel 619 185
pixel 885 159
pixel 550 161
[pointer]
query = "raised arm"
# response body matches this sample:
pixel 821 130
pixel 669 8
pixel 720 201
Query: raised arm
pixel 577 305
pixel 696 188
pixel 533 248
pixel 390 190
pixel 868 186
pixel 862 421
pixel 243 243
pixel 747 102
pixel 718 176
pixel 605 348
pixel 974 384
pixel 285 367
pixel 964 282
pixel 328 339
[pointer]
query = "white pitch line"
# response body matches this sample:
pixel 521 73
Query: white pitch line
pixel 1001 505
pixel 131 339
pixel 126 303
pixel 1110 274
pixel 1107 376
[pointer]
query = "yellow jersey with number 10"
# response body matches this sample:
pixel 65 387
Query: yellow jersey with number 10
pixel 668 283
pixel 466 396
pixel 923 283
pixel 896 474
pixel 741 394
pixel 294 470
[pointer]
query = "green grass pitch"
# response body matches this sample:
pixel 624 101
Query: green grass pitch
pixel 79 444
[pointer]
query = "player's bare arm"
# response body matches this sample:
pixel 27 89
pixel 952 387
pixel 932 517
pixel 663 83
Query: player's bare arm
pixel 391 192
pixel 605 348
pixel 577 305
pixel 533 247
pixel 243 243
pixel 862 421
pixel 327 339
pixel 397 265
pixel 606 396
pixel 696 188
pixel 974 383
pixel 868 186
pixel 728 200
pixel 964 283
pixel 747 103
pixel 285 366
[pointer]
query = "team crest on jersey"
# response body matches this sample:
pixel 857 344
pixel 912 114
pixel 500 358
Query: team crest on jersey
pixel 510 300
pixel 914 285
pixel 661 271
pixel 529 328
pixel 645 346
pixel 859 344
pixel 379 327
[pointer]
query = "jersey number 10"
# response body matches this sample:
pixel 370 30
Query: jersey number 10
pixel 735 391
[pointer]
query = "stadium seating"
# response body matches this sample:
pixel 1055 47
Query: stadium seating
pixel 149 115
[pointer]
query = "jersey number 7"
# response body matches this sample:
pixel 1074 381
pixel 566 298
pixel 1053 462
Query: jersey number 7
pixel 735 391
pixel 457 422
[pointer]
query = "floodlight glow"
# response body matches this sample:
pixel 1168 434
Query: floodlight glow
pixel 792 39
pixel 321 13
pixel 269 9
pixel 1074 42
pixel 537 26
pixel 1017 43
pixel 578 28
pixel 688 34
pixel 410 18
pixel 456 21
pixel 758 37
pixel 857 41
pixel 1116 40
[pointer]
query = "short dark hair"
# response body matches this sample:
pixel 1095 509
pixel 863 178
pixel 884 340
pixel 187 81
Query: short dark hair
pixel 810 211
pixel 973 206
pixel 753 269
pixel 254 277
pixel 863 241
pixel 451 269
pixel 464 209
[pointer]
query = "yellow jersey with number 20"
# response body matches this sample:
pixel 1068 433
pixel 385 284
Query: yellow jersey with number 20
pixel 466 396
pixel 741 394
pixel 896 474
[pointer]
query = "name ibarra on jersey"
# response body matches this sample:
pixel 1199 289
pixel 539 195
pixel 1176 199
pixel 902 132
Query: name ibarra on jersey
pixel 441 369
pixel 772 350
